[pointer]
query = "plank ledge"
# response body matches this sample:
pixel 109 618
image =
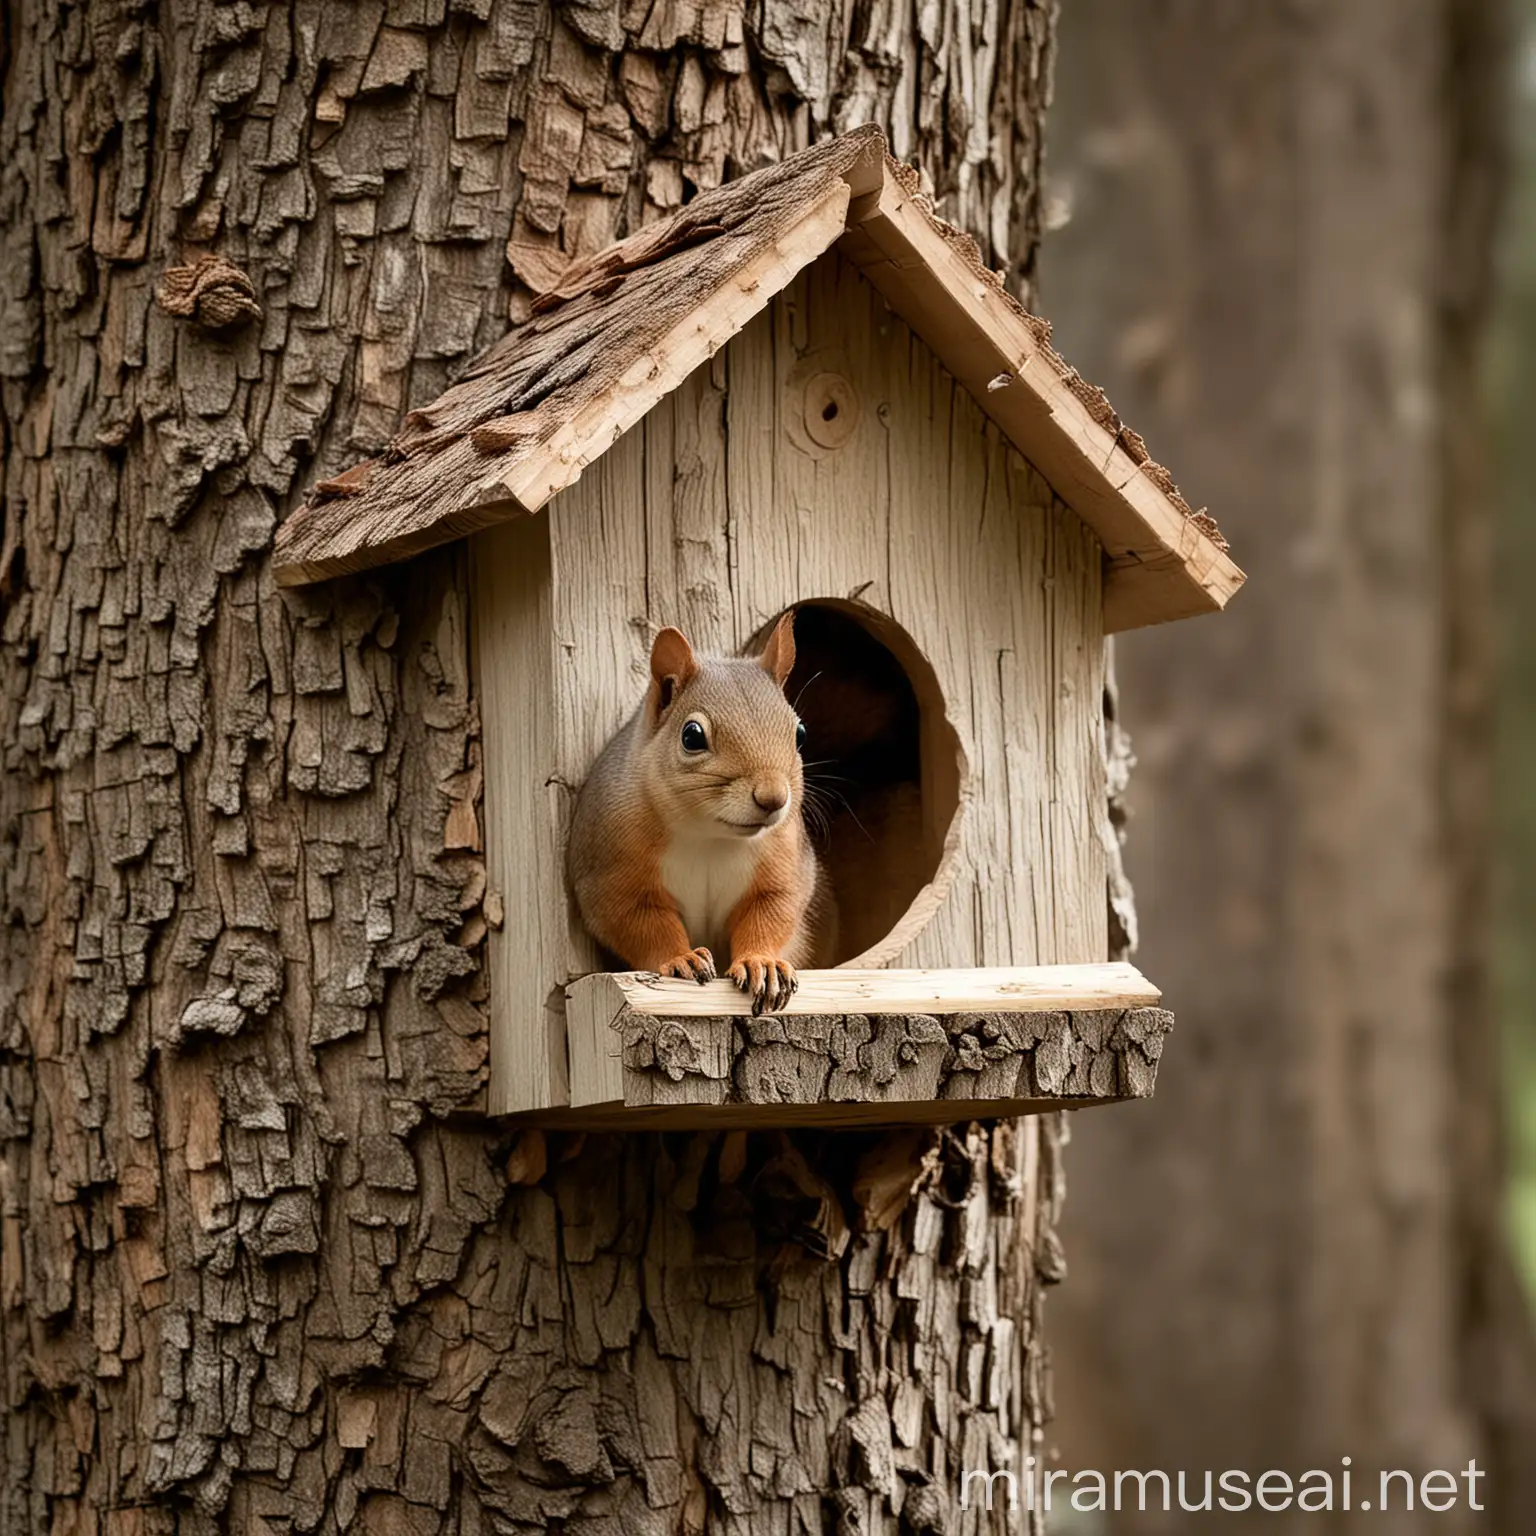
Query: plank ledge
pixel 859 1047
pixel 998 989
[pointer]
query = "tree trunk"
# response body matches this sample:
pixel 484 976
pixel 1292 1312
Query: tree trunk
pixel 1278 264
pixel 259 1269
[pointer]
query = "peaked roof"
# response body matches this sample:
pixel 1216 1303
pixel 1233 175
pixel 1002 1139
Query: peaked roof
pixel 622 329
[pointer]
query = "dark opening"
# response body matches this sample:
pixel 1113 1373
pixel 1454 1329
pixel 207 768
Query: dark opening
pixel 882 769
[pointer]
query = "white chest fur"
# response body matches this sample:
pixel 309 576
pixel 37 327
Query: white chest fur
pixel 707 877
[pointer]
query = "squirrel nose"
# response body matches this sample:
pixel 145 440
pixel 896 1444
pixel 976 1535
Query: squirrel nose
pixel 770 797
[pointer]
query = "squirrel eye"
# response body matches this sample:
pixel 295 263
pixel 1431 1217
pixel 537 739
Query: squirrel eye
pixel 799 735
pixel 694 739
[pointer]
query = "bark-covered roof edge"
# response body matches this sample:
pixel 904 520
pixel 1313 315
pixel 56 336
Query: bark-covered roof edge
pixel 612 334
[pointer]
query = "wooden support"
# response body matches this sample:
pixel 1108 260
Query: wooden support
pixel 514 677
pixel 860 1047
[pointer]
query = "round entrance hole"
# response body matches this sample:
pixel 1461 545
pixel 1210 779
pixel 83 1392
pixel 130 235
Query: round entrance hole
pixel 883 773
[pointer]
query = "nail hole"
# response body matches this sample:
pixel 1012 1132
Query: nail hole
pixel 829 410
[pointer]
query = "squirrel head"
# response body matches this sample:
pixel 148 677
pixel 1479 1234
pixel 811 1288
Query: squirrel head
pixel 722 750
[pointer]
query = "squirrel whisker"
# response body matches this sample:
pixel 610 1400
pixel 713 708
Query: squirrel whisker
pixel 803 686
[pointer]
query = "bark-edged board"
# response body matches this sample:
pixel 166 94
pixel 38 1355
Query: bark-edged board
pixel 859 1047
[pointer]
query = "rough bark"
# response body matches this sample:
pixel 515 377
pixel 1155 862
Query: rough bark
pixel 1278 256
pixel 888 1064
pixel 254 1273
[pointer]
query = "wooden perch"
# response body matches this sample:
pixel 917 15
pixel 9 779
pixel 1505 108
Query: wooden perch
pixel 622 329
pixel 860 1047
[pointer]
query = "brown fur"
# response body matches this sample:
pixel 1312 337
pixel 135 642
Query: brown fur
pixel 659 830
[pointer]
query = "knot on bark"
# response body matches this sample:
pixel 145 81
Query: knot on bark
pixel 212 291
pixel 676 1052
pixel 924 1512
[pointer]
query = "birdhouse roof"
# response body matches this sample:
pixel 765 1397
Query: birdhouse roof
pixel 618 331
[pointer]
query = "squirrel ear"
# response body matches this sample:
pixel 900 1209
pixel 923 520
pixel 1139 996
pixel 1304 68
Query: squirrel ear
pixel 672 665
pixel 779 654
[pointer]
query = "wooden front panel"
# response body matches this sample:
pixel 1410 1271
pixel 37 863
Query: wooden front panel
pixel 727 504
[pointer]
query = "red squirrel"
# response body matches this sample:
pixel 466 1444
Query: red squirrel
pixel 688 838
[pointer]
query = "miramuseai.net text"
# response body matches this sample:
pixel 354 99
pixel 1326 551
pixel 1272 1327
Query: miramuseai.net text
pixel 1230 1492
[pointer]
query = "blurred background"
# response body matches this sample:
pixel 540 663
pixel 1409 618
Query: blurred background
pixel 1296 242
pixel 1512 379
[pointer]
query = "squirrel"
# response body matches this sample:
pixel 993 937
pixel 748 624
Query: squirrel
pixel 688 838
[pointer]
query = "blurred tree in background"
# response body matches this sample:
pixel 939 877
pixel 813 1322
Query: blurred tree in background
pixel 1514 395
pixel 1277 255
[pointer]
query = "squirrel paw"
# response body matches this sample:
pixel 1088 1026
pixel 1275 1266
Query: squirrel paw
pixel 695 965
pixel 767 980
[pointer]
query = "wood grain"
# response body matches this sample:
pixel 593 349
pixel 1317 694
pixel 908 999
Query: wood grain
pixel 512 616
pixel 1000 989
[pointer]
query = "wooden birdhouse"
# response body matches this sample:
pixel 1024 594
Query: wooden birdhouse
pixel 803 392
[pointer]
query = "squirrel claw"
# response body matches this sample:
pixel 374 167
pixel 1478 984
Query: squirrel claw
pixel 696 965
pixel 767 980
